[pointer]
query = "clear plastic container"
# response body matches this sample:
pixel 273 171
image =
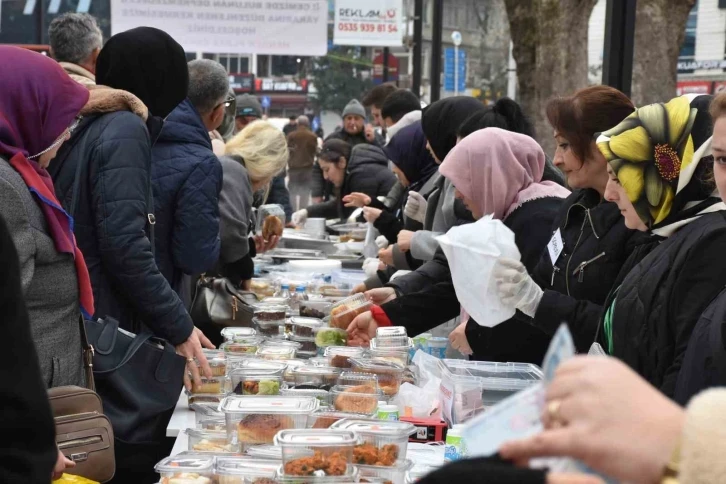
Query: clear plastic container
pixel 245 470
pixel 315 308
pixel 255 363
pixel 267 311
pixel 283 294
pixel 398 354
pixel 186 467
pixel 389 373
pixel 237 333
pixel 269 328
pixel 201 440
pixel 325 337
pixel 304 327
pixel 333 291
pixel 306 443
pixel 266 452
pixel 324 418
pixel 254 420
pixel 276 352
pixel 386 438
pixel 270 210
pixel 288 376
pixel 205 411
pixel 247 346
pixel 484 383
pixel 339 356
pixel 344 312
pixel 360 399
pixel 394 475
pixel 206 398
pixel 390 332
pixel 418 472
pixel 307 354
pixel 323 396
pixel 321 376
pixel 210 386
pixel 318 361
pixel 281 341
pixel 218 424
pixel 217 362
pixel 307 345
pixel 391 340
pixel 350 476
pixel 247 381
pixel 263 288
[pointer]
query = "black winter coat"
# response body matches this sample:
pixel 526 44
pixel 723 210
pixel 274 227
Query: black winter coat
pixel 367 172
pixel 661 299
pixel 596 244
pixel 112 219
pixel 511 340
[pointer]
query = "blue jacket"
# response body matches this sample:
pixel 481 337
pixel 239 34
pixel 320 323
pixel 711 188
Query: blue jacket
pixel 187 178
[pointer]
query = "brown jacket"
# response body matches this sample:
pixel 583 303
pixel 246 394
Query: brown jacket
pixel 303 145
pixel 79 74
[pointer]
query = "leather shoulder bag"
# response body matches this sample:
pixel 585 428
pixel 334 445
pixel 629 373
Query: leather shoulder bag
pixel 219 303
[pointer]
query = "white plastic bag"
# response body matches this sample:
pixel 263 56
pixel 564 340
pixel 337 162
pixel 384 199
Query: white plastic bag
pixel 417 402
pixel 472 251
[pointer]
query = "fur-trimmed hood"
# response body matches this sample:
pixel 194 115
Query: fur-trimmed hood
pixel 105 100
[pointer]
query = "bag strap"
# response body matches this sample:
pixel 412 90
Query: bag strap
pixel 88 352
pixel 135 346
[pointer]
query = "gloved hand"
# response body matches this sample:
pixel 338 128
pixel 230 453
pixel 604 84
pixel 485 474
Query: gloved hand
pixel 370 266
pixel 300 217
pixel 381 242
pixel 516 287
pixel 415 207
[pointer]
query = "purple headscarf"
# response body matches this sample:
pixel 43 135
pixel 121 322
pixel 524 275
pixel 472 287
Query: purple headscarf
pixel 38 101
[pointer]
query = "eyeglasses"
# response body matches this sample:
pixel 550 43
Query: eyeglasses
pixel 227 102
pixel 66 134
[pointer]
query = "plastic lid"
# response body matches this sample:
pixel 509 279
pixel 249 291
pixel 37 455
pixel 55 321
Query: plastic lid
pixel 316 371
pixel 209 409
pixel 349 351
pixel 376 365
pixel 266 452
pixel 246 467
pixel 308 322
pixel 255 374
pixel 237 332
pixel 315 438
pixel 255 364
pixel 393 429
pixel 271 304
pixel 207 434
pixel 389 331
pixel 276 352
pixel 284 343
pixel 404 345
pixel 353 302
pixel 186 462
pixel 269 405
pixel 350 378
pixel 493 375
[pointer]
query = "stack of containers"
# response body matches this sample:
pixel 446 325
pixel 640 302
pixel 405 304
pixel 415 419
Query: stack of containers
pixel 317 453
pixel 389 373
pixel 242 346
pixel 234 333
pixel 392 343
pixel 244 470
pixel 319 377
pixel 203 440
pixel 339 356
pixel 186 467
pixel 324 418
pixel 344 312
pixel 381 450
pixel 303 332
pixel 215 388
pixel 254 381
pixel 315 308
pixel 269 318
pixel 356 393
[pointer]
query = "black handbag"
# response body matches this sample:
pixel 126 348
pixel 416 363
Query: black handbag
pixel 217 302
pixel 138 378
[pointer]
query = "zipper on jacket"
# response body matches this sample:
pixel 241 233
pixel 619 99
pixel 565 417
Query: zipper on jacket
pixel 572 253
pixel 581 268
pixel 555 270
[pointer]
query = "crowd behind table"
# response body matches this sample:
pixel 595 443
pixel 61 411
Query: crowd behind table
pixel 131 176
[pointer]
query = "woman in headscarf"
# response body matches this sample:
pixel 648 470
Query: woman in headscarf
pixel 495 172
pixel 659 166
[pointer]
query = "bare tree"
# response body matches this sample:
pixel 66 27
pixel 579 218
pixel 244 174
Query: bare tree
pixel 660 27
pixel 549 40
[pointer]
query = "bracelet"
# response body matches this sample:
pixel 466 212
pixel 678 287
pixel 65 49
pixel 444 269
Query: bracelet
pixel 672 468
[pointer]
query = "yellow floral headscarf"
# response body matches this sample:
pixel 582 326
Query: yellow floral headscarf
pixel 652 153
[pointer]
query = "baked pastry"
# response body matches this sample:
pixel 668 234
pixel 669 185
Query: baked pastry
pixel 341 316
pixel 205 445
pixel 207 386
pixel 186 478
pixel 370 455
pixel 333 465
pixel 325 422
pixel 262 428
pixel 271 227
pixel 340 361
pixel 357 399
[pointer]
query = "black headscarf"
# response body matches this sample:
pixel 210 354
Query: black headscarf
pixel 407 150
pixel 441 121
pixel 148 63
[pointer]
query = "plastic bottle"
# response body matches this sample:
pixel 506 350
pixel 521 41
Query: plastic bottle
pixel 300 295
pixel 284 292
pixel 455 448
pixel 388 412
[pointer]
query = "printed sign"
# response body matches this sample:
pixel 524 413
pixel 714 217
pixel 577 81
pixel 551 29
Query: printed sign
pixel 369 23
pixel 284 27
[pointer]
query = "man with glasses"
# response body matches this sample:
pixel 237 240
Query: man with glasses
pixel 187 179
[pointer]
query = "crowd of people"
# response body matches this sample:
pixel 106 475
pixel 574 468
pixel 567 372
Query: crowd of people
pixel 127 172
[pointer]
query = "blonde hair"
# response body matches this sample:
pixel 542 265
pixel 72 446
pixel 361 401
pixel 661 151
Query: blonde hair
pixel 263 148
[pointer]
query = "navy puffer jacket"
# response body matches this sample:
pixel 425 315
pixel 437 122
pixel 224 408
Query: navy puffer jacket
pixel 111 223
pixel 187 178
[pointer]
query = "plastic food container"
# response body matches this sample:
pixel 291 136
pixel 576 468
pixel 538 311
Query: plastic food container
pixel 398 354
pixel 209 441
pixel 269 328
pixel 206 398
pixel 266 452
pixel 324 418
pixel 389 373
pixel 254 420
pixel 360 399
pixel 210 386
pixel 262 288
pixel 213 423
pixel 304 327
pixel 418 472
pixel 281 341
pixel 350 476
pixel 351 378
pixel 325 337
pixel 339 356
pixel 351 231
pixel 306 443
pixel 217 362
pixel 254 363
pixel 387 439
pixel 276 353
pixel 390 331
pixel 318 309
pixel 484 383
pixel 246 346
pixel 237 333
pixel 395 475
pixel 307 354
pixel 288 376
pixel 271 210
pixel 186 467
pixel 267 311
pixel 333 291
pixel 321 376
pixel 323 396
pixel 344 312
pixel 307 345
pixel 248 381
pixel 243 470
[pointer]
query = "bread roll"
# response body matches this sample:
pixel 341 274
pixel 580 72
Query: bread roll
pixel 262 428
pixel 272 226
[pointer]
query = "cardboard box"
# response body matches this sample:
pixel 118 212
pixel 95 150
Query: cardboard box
pixel 428 429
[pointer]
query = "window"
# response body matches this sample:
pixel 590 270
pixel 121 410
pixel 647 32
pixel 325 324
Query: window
pixel 263 66
pixel 688 49
pixel 284 65
pixel 426 15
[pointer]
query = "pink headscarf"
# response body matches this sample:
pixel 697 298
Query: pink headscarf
pixel 499 170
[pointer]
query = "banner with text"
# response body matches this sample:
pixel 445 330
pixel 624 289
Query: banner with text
pixel 285 27
pixel 369 23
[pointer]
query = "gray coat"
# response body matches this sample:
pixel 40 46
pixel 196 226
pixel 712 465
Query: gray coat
pixel 49 282
pixel 441 218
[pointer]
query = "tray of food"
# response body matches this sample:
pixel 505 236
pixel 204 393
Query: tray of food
pixel 270 221
pixel 276 352
pixel 390 374
pixel 246 381
pixel 246 346
pixel 383 442
pixel 361 398
pixel 186 467
pixel 339 356
pixel 255 420
pixel 201 440
pixel 320 377
pixel 345 311
pixel 245 470
pixel 301 447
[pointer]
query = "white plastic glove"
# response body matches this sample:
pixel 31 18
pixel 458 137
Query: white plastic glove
pixel 415 207
pixel 516 288
pixel 300 217
pixel 370 266
pixel 381 242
